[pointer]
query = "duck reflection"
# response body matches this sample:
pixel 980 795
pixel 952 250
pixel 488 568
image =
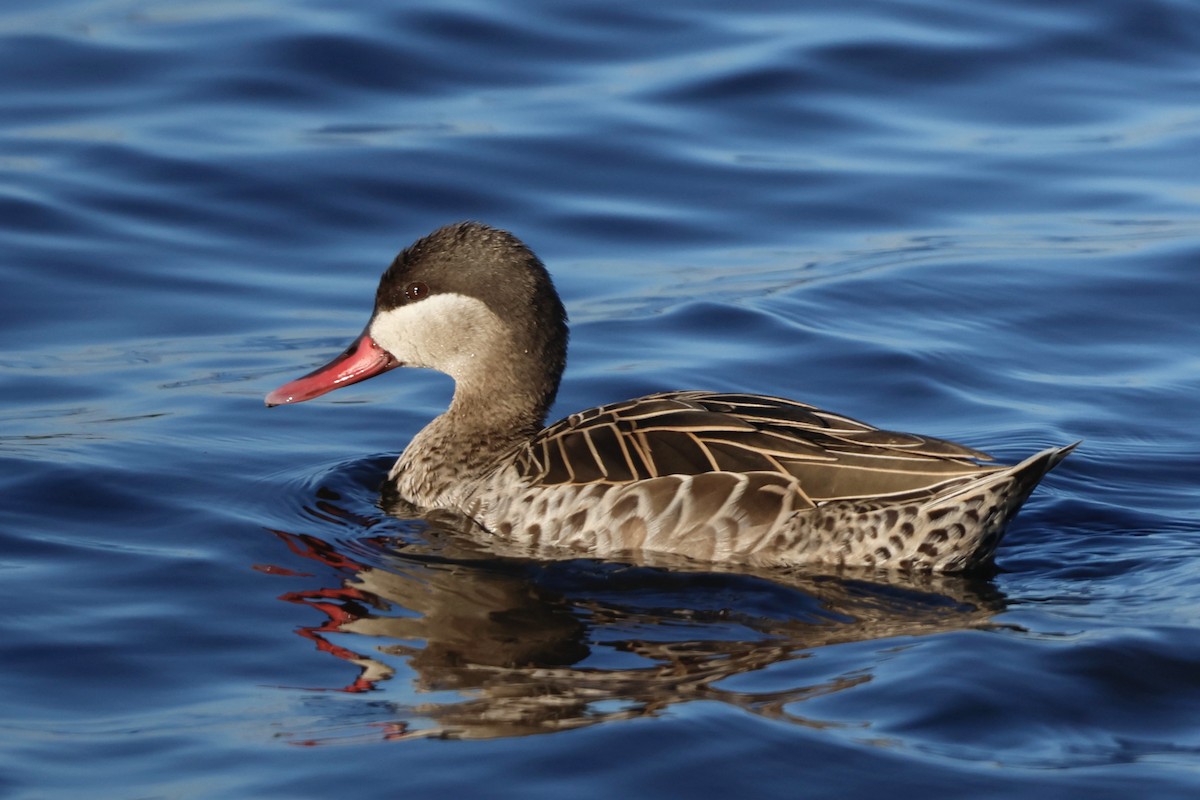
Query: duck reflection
pixel 505 646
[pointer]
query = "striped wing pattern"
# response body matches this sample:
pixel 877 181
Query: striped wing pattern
pixel 830 457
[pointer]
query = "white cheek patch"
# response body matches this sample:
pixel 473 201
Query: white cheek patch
pixel 444 332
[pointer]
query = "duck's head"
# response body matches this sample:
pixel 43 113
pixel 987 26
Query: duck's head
pixel 468 300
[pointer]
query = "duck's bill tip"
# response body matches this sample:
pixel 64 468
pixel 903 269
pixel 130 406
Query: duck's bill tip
pixel 363 359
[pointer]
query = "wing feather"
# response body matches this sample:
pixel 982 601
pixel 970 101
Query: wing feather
pixel 828 455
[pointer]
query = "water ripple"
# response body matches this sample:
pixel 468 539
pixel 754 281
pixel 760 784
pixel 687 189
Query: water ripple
pixel 970 221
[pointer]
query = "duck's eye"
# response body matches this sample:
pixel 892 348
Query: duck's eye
pixel 416 291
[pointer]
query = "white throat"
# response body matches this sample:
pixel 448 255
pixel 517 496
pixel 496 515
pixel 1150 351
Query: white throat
pixel 452 333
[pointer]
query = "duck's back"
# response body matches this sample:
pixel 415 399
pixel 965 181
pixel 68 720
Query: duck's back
pixel 828 456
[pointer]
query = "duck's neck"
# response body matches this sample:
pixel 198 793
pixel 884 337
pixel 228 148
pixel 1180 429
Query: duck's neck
pixel 487 419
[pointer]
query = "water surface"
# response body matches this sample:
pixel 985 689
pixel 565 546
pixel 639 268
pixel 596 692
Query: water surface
pixel 979 223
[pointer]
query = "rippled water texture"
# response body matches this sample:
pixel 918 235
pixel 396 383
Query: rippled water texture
pixel 978 221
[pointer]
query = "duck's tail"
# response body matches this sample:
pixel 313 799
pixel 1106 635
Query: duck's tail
pixel 979 511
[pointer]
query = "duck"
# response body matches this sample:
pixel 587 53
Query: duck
pixel 708 477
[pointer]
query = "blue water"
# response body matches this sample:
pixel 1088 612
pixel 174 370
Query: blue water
pixel 979 221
